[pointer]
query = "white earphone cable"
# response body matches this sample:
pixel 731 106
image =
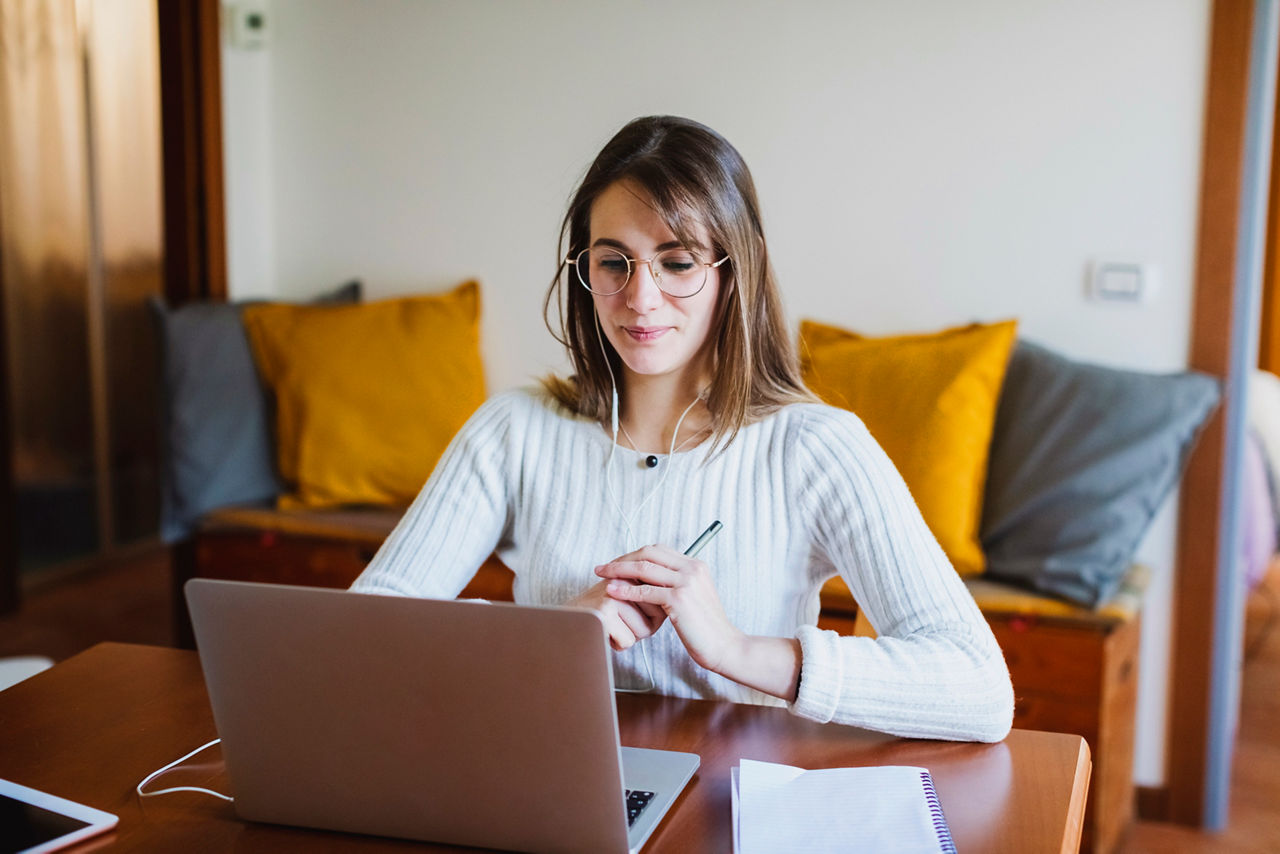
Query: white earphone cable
pixel 179 761
pixel 613 497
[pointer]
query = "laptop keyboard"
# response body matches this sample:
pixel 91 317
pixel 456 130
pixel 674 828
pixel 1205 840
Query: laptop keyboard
pixel 636 802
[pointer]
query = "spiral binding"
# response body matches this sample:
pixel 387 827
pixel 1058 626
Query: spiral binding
pixel 945 843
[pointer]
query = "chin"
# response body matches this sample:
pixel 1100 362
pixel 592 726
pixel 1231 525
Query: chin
pixel 650 367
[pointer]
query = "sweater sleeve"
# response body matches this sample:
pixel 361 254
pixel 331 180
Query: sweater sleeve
pixel 459 517
pixel 935 670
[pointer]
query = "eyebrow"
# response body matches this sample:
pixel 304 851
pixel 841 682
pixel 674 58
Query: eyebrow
pixel 662 247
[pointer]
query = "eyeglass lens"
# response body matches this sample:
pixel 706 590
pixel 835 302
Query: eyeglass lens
pixel 604 271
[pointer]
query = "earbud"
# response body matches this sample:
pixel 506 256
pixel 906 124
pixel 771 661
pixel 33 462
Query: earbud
pixel 651 461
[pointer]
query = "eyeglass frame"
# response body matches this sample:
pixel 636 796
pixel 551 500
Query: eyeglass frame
pixel 633 263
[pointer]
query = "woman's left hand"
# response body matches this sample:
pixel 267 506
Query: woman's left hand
pixel 683 588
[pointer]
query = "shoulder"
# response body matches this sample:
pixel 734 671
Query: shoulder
pixel 807 427
pixel 495 418
pixel 524 412
pixel 520 404
pixel 829 449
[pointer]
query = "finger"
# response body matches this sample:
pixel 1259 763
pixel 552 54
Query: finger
pixel 635 620
pixel 620 635
pixel 671 559
pixel 655 552
pixel 639 593
pixel 655 613
pixel 640 571
pixel 660 554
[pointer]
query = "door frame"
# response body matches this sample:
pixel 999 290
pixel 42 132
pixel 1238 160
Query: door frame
pixel 195 256
pixel 1207 612
pixel 10 595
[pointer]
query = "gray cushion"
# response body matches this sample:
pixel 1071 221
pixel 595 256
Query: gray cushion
pixel 1081 459
pixel 215 421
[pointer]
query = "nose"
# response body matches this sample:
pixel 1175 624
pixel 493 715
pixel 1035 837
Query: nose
pixel 643 293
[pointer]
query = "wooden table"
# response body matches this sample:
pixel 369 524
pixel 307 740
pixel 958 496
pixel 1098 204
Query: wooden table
pixel 92 727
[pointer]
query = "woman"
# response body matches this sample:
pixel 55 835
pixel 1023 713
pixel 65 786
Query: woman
pixel 686 406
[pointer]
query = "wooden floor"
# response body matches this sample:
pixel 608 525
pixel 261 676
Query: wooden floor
pixel 124 600
pixel 1254 822
pixel 128 600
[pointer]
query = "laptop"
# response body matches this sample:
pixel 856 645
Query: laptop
pixel 455 721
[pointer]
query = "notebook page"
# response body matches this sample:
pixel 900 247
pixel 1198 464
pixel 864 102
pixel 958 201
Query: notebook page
pixel 882 808
pixel 733 795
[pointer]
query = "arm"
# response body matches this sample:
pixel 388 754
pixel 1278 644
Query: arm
pixel 935 671
pixel 771 665
pixel 458 518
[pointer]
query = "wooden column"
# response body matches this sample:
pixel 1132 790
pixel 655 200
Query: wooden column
pixel 1199 535
pixel 191 127
pixel 195 265
pixel 1269 334
pixel 9 593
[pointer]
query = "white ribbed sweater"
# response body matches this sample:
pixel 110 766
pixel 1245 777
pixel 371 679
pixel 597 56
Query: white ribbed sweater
pixel 803 494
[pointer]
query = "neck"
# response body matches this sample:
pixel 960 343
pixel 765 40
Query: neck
pixel 652 406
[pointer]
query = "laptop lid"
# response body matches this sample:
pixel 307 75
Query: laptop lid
pixel 453 721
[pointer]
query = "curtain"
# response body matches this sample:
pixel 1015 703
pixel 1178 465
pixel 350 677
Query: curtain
pixel 80 245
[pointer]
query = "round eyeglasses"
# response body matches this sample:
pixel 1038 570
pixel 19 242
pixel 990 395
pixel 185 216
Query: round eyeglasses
pixel 678 273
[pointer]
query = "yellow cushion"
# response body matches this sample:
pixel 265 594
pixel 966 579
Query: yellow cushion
pixel 994 597
pixel 930 401
pixel 368 396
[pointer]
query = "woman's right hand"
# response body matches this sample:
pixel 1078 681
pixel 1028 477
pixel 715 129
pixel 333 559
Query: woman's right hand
pixel 626 622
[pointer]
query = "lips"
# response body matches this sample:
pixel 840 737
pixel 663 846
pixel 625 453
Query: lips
pixel 647 333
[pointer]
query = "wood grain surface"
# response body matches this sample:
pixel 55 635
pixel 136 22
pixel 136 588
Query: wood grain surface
pixel 92 727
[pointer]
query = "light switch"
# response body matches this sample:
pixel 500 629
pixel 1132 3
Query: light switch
pixel 248 25
pixel 1121 281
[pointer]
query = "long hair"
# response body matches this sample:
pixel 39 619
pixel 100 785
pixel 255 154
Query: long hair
pixel 693 177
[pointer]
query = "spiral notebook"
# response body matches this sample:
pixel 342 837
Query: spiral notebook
pixel 878 808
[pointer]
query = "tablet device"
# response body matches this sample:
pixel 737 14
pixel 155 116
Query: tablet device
pixel 32 822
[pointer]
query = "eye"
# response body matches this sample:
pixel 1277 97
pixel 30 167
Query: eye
pixel 679 262
pixel 608 261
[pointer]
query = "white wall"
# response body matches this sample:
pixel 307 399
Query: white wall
pixel 247 122
pixel 921 164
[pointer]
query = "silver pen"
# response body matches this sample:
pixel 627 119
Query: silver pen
pixel 703 539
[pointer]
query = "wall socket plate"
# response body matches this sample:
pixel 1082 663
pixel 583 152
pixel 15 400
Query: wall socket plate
pixel 1121 281
pixel 248 25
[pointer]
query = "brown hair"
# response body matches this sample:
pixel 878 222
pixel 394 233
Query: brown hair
pixel 693 177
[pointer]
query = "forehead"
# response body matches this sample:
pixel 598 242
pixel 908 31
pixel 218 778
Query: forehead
pixel 626 212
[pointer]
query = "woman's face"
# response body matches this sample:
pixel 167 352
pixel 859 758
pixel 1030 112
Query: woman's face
pixel 655 334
